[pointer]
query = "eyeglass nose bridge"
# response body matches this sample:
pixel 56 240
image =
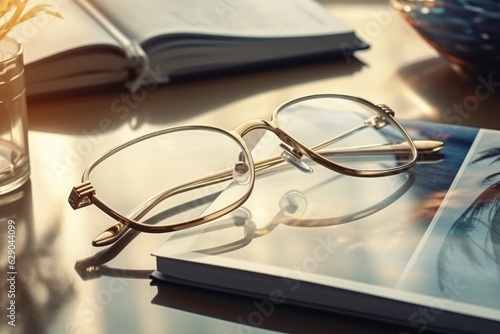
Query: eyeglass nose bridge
pixel 290 152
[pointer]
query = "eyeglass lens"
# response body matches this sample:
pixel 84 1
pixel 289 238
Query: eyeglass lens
pixel 169 164
pixel 347 132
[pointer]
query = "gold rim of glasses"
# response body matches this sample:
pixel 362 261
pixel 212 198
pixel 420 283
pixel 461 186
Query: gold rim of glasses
pixel 85 194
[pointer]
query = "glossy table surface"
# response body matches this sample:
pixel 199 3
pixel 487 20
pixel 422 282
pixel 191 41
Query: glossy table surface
pixel 64 285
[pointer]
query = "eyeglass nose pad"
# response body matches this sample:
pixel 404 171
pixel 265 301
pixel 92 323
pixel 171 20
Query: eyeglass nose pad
pixel 241 171
pixel 293 203
pixel 294 159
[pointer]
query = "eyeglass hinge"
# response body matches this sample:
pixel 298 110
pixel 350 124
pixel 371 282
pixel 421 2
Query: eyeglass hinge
pixel 385 108
pixel 80 195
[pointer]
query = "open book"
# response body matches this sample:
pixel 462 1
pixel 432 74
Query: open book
pixel 419 249
pixel 133 43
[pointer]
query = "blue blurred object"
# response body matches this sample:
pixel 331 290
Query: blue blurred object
pixel 465 32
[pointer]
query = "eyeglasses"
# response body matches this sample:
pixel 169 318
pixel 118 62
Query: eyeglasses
pixel 190 175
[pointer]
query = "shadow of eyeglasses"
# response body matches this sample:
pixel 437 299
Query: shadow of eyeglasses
pixel 292 206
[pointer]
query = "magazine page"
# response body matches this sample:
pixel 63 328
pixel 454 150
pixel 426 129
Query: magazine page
pixel 405 238
pixel 458 259
pixel 368 225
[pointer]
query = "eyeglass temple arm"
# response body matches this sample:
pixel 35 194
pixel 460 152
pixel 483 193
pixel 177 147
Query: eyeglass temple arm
pixel 115 231
pixel 376 122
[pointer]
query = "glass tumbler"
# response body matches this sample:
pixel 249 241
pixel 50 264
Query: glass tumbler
pixel 14 153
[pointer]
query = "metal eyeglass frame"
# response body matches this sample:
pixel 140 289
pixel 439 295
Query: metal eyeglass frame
pixel 85 194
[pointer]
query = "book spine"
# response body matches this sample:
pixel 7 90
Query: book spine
pixel 138 59
pixel 138 64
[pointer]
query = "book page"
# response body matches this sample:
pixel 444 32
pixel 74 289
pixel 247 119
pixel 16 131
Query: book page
pixel 46 36
pixel 241 18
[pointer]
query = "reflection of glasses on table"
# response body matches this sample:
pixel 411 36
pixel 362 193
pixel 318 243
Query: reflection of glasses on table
pixel 180 171
pixel 241 228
